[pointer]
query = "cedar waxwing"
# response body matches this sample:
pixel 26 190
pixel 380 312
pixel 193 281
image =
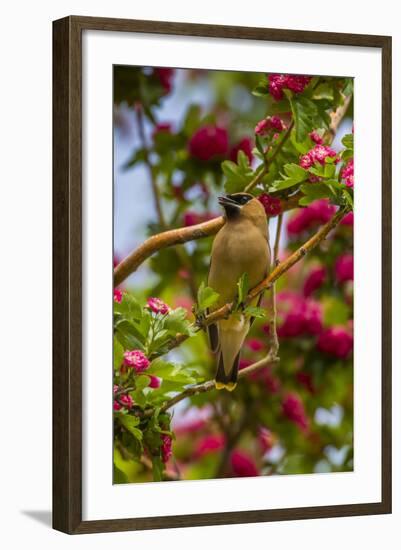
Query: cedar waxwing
pixel 241 246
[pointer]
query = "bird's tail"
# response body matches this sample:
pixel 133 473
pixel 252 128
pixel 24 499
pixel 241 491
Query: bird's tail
pixel 226 380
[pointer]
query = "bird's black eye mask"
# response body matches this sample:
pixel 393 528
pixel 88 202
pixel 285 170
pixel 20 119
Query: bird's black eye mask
pixel 232 203
pixel 240 198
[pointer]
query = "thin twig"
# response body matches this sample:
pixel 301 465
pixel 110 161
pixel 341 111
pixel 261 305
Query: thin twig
pixel 155 189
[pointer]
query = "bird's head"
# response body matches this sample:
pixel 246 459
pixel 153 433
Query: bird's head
pixel 237 205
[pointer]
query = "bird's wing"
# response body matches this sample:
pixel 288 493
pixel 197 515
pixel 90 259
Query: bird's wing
pixel 213 334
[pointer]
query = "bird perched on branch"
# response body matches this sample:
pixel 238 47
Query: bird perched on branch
pixel 241 246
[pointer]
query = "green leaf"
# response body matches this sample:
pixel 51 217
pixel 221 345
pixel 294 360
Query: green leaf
pixel 206 297
pixel 348 141
pixel 129 307
pixel 171 371
pixel 176 321
pixel 348 86
pixel 348 198
pixel 257 312
pixel 118 353
pixel 324 91
pixel 130 423
pixel 303 110
pixel 142 382
pixel 157 468
pixel 294 175
pixel 243 288
pixel 315 191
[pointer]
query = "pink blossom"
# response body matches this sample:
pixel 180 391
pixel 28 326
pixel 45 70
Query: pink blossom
pixel 136 359
pixel 265 439
pixel 158 306
pixel 209 444
pixel 347 173
pixel 242 464
pixel 116 406
pixel 344 268
pixel 255 344
pixel 318 212
pixel 297 316
pixel 296 83
pixel 348 219
pixel 318 154
pixel 115 388
pixel 154 382
pixel 209 142
pixel 294 410
pixel 264 126
pixel 118 295
pixel 316 137
pixel 314 280
pixel 245 145
pixel 166 447
pixel 126 401
pixel 336 341
pixel 272 205
pixel 166 76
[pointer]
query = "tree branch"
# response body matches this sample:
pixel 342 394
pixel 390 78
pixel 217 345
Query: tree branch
pixel 206 229
pixel 177 236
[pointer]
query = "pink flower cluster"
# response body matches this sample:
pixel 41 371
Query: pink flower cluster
pixel 316 137
pixel 136 360
pixel 272 205
pixel 265 125
pixel 245 145
pixel 118 295
pixel 317 155
pixel 318 212
pixel 314 280
pixel 294 410
pixel 344 268
pixel 297 315
pixel 166 447
pixel 347 174
pixel 158 306
pixel 242 464
pixel 124 400
pixel 166 76
pixel 209 142
pixel 337 341
pixel 296 83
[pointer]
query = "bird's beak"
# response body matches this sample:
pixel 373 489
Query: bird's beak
pixel 228 204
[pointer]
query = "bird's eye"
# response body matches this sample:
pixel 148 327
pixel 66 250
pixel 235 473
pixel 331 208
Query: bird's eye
pixel 243 199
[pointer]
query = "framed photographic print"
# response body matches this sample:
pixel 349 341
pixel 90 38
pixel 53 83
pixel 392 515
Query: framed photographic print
pixel 222 275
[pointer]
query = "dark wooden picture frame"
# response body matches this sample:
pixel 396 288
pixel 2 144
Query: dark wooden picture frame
pixel 67 274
